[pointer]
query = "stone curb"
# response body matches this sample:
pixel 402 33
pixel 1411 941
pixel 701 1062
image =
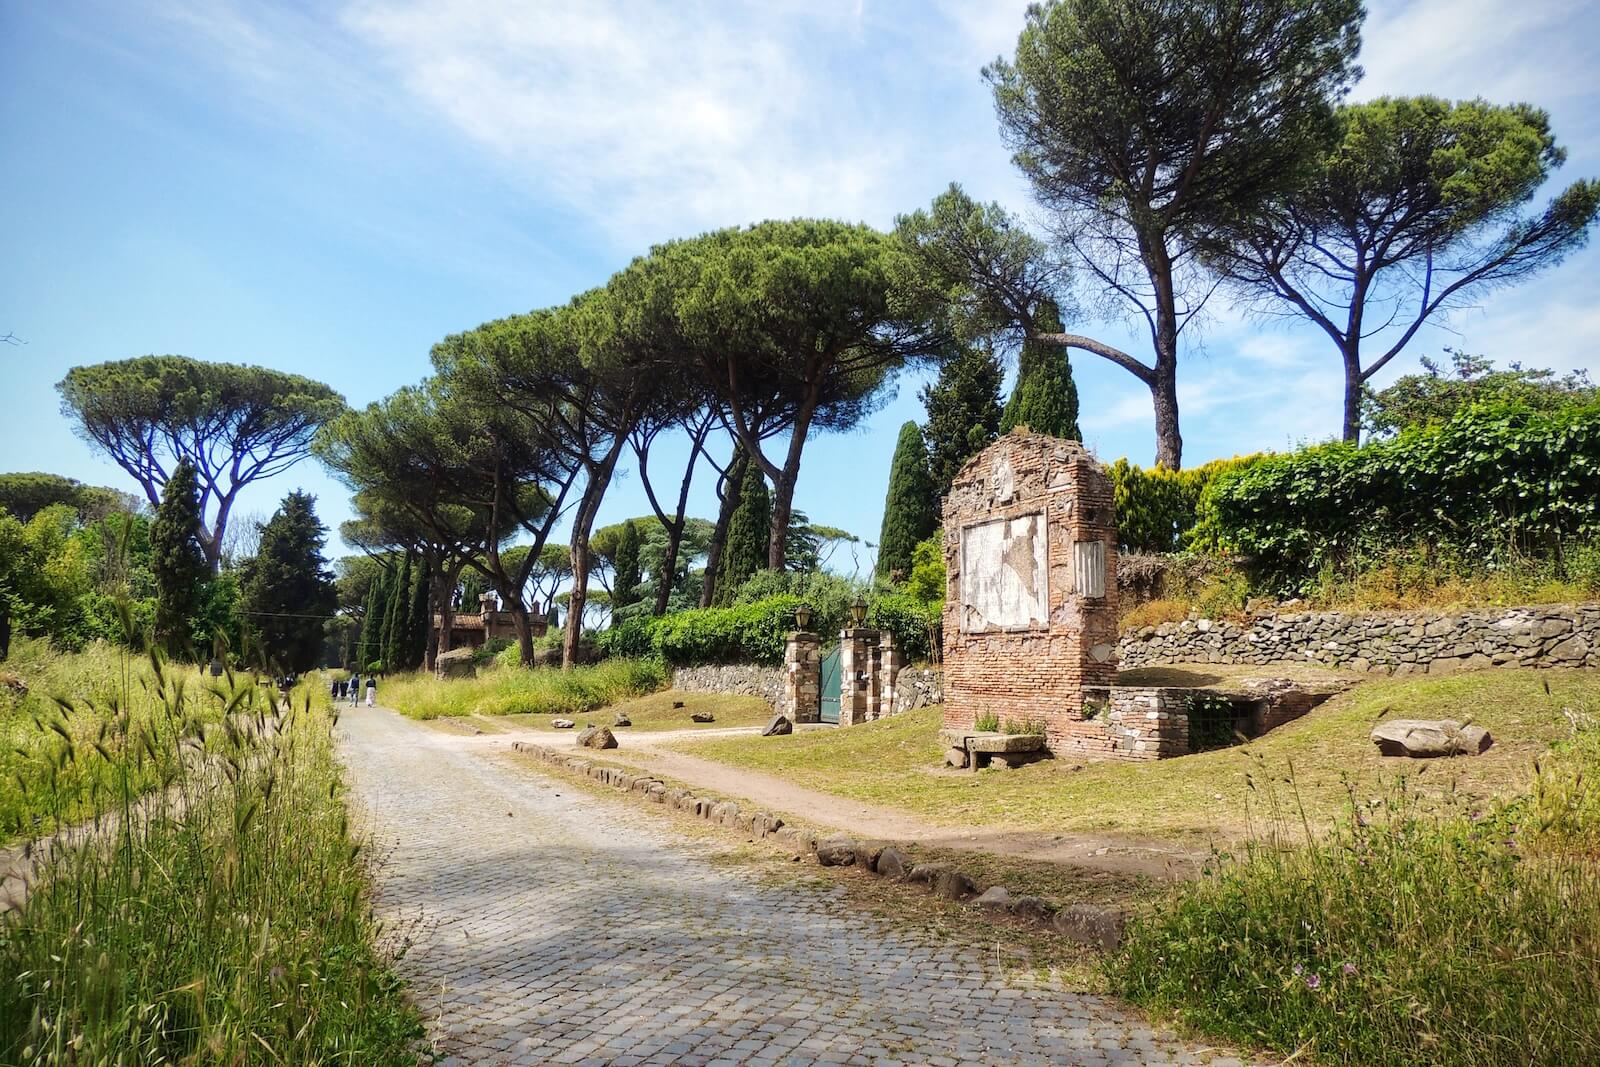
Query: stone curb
pixel 1087 924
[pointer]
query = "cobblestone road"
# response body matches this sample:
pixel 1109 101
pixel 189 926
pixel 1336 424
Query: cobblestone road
pixel 551 926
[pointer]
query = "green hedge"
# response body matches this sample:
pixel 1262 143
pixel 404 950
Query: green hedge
pixel 1493 483
pixel 1160 510
pixel 757 632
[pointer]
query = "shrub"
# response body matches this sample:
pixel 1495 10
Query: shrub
pixel 540 691
pixel 915 624
pixel 1492 483
pixel 1158 510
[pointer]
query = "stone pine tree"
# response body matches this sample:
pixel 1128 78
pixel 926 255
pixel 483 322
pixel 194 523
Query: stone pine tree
pixel 911 509
pixel 746 549
pixel 625 567
pixel 178 560
pixel 288 592
pixel 1045 399
pixel 396 619
pixel 963 412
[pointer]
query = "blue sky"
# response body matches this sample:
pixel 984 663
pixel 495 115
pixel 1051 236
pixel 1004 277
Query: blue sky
pixel 330 188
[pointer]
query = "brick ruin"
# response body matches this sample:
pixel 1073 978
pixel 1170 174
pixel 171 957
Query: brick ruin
pixel 1030 545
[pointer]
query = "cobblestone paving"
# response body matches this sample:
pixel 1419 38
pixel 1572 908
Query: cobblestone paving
pixel 556 927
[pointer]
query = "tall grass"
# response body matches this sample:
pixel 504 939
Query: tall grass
pixel 1413 934
pixel 221 919
pixel 515 691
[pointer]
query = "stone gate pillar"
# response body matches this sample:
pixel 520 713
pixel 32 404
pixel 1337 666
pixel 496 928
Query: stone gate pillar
pixel 857 675
pixel 802 677
pixel 887 671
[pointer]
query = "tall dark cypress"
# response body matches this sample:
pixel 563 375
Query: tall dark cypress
pixel 421 620
pixel 178 560
pixel 963 412
pixel 373 616
pixel 625 576
pixel 288 593
pixel 910 509
pixel 397 618
pixel 1045 399
pixel 746 549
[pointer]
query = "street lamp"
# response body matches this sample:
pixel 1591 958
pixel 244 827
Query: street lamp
pixel 858 611
pixel 802 616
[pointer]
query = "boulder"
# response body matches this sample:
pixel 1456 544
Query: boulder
pixel 779 725
pixel 457 663
pixel 562 724
pixel 955 757
pixel 836 852
pixel 702 716
pixel 1428 738
pixel 1089 925
pixel 622 720
pixel 924 872
pixel 597 738
pixel 891 863
pixel 995 898
pixel 1033 909
pixel 953 885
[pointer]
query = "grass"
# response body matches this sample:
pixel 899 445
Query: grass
pixel 72 703
pixel 1414 933
pixel 224 919
pixel 502 690
pixel 652 713
pixel 896 762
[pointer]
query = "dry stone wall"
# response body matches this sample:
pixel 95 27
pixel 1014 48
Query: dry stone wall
pixel 1406 643
pixel 747 679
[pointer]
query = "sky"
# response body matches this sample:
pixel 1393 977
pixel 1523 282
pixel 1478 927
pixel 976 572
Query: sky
pixel 331 187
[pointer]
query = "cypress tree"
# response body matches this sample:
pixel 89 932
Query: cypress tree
pixel 420 622
pixel 1045 399
pixel 376 611
pixel 625 577
pixel 963 412
pixel 553 617
pixel 745 551
pixel 397 619
pixel 910 510
pixel 287 591
pixel 178 560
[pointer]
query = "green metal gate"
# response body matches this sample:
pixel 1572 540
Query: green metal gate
pixel 829 689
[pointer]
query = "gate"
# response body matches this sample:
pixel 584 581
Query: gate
pixel 829 688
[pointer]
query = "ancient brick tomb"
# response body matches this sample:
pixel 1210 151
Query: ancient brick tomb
pixel 1030 608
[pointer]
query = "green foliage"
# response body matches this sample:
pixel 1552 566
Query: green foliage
pixel 625 576
pixel 1407 936
pixel 963 411
pixel 754 633
pixel 226 918
pixel 369 647
pixel 396 619
pixel 1436 395
pixel 928 579
pixel 24 495
pixel 987 722
pixel 1158 510
pixel 745 551
pixel 419 623
pixel 1045 398
pixel 286 592
pixel 1492 482
pixel 178 561
pixel 913 622
pixel 910 510
pixel 514 690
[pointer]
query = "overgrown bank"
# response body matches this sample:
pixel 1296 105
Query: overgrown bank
pixel 224 920
pixel 512 690
pixel 1456 933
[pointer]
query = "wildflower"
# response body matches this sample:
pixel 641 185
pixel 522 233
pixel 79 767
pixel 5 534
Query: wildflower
pixel 1349 969
pixel 1313 981
pixel 1299 969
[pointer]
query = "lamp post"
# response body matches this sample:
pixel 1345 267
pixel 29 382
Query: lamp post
pixel 802 616
pixel 858 611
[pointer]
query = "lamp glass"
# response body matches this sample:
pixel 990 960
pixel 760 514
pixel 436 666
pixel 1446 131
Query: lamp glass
pixel 858 610
pixel 802 616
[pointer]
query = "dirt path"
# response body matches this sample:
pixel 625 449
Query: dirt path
pixel 650 751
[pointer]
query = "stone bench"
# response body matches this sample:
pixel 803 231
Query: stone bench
pixel 976 749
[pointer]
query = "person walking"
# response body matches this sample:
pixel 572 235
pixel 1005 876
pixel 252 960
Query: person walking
pixel 355 688
pixel 372 690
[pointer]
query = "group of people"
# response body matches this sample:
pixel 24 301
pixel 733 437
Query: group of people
pixel 351 689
